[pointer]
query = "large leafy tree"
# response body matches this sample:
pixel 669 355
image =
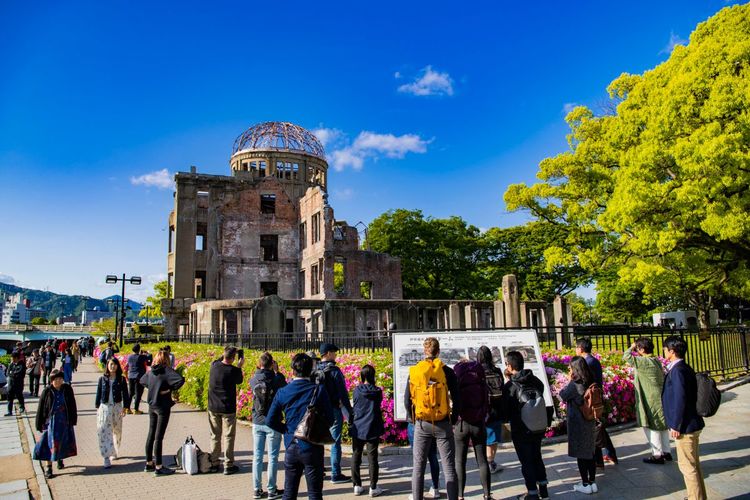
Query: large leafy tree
pixel 661 188
pixel 154 301
pixel 522 250
pixel 438 256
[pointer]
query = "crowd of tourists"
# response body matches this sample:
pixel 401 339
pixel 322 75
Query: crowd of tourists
pixel 449 410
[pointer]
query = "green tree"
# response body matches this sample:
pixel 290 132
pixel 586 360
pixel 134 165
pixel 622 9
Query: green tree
pixel 104 327
pixel 39 321
pixel 662 188
pixel 154 301
pixel 523 250
pixel 584 310
pixel 439 257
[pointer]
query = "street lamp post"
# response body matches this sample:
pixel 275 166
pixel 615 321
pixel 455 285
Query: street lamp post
pixel 134 280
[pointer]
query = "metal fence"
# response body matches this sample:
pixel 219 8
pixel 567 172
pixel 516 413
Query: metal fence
pixel 718 351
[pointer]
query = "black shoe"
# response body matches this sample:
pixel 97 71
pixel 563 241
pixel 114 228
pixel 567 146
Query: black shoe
pixel 60 465
pixel 667 457
pixel 654 460
pixel 259 494
pixel 149 468
pixel 10 414
pixel 228 471
pixel 528 496
pixel 213 469
pixel 48 473
pixel 163 471
pixel 543 493
pixel 277 493
pixel 340 478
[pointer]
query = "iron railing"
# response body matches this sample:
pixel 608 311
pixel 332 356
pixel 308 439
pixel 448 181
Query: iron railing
pixel 719 351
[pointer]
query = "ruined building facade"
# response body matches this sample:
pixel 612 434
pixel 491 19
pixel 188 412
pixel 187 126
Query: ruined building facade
pixel 260 251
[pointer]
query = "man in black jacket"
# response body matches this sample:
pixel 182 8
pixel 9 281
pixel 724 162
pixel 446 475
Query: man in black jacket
pixel 223 380
pixel 49 357
pixel 679 398
pixel 15 374
pixel 333 380
pixel 528 444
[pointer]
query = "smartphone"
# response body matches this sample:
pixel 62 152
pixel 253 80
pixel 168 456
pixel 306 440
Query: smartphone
pixel 241 353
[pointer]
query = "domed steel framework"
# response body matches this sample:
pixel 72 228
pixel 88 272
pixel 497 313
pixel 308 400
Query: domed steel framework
pixel 280 136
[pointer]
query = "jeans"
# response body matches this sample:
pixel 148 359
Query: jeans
pixel 34 384
pixel 157 427
pixel 441 433
pixel 45 375
pixel 587 469
pixel 431 456
pixel 529 451
pixel 658 440
pixel 222 424
pixel 372 461
pixel 265 436
pixel 308 461
pixel 462 433
pixel 336 428
pixel 16 393
pixel 136 392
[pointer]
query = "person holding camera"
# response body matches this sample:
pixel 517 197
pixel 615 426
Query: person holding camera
pixel 223 380
pixel 137 363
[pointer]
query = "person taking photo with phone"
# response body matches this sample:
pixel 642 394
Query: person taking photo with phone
pixel 223 380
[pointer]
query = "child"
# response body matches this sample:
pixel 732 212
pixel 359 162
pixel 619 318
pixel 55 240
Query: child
pixel 366 429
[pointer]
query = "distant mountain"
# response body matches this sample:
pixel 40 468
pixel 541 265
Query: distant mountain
pixel 64 305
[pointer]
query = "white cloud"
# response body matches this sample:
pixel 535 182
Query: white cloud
pixel 397 75
pixel 328 136
pixel 674 40
pixel 569 106
pixel 160 179
pixel 7 279
pixel 430 82
pixel 373 145
pixel 343 194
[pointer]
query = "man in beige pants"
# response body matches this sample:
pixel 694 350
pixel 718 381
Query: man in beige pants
pixel 223 380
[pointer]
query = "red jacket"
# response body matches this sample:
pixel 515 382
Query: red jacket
pixel 63 346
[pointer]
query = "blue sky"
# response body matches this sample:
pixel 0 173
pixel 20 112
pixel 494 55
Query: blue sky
pixel 426 106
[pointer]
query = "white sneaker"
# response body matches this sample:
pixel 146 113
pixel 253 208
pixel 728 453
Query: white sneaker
pixel 107 463
pixel 594 488
pixel 433 493
pixel 580 488
pixel 376 492
pixel 359 490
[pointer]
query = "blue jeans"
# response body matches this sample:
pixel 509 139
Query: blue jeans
pixel 307 461
pixel 262 435
pixel 432 457
pixel 338 423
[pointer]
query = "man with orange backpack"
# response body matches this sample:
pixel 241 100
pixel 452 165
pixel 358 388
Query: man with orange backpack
pixel 432 403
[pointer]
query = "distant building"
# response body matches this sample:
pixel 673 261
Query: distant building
pixel 67 320
pixel 683 319
pixel 94 315
pixel 18 310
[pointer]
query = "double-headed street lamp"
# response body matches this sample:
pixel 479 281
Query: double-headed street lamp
pixel 134 280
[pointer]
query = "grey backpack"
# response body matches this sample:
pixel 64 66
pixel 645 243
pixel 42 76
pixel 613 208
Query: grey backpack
pixel 533 409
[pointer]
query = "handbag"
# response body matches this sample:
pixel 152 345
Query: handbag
pixel 313 427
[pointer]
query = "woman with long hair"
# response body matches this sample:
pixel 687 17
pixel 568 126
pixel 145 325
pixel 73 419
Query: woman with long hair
pixel 581 432
pixel 55 417
pixel 68 365
pixel 111 393
pixel 495 383
pixel 160 382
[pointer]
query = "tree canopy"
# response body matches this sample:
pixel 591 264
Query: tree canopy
pixel 660 190
pixel 154 301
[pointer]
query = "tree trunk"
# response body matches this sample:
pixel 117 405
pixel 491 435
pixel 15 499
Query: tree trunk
pixel 702 301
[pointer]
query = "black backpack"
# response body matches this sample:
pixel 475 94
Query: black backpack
pixel 324 377
pixel 263 394
pixel 709 396
pixel 495 390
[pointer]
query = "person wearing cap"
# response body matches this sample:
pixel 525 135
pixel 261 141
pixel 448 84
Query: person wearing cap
pixel 333 380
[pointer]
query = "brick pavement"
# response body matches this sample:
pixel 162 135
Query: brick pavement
pixel 724 449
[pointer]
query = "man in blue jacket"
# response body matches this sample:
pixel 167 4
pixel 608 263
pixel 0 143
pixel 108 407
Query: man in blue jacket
pixel 333 379
pixel 679 398
pixel 300 457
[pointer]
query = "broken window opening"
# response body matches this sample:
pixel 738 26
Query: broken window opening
pixel 171 239
pixel 262 169
pixel 295 171
pixel 338 233
pixel 269 244
pixel 314 281
pixel 302 283
pixel 269 288
pixel 365 289
pixel 200 237
pixel 303 235
pixel 268 203
pixel 199 285
pixel 316 227
pixel 339 275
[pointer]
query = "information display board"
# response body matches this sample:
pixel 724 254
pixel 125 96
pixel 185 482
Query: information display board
pixel 457 345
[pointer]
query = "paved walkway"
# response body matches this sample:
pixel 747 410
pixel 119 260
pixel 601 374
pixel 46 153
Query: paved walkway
pixel 17 475
pixel 725 450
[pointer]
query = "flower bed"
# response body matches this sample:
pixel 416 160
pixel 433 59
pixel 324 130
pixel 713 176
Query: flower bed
pixel 193 362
